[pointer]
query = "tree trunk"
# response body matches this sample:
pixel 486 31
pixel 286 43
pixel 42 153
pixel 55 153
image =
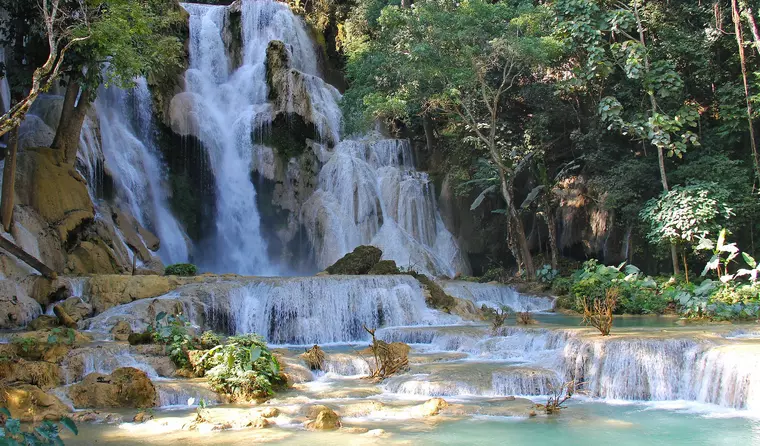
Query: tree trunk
pixel 9 179
pixel 740 43
pixel 518 231
pixel 552 233
pixel 752 26
pixel 72 119
pixel 427 125
pixel 406 3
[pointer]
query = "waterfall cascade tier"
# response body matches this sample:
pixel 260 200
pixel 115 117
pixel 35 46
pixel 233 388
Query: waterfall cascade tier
pixel 496 296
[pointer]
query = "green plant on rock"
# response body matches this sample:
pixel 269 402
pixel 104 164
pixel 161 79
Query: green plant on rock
pixel 209 340
pixel 181 269
pixel 546 274
pixel 244 368
pixel 173 332
pixel 45 433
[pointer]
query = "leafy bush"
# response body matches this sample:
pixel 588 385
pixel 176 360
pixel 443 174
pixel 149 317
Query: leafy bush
pixel 173 332
pixel 546 274
pixel 46 433
pixel 181 269
pixel 244 367
pixel 209 340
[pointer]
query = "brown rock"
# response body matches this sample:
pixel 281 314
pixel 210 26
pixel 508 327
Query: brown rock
pixel 270 412
pixel 126 387
pixel 142 417
pixel 322 418
pixel 110 290
pixel 432 407
pixel 48 345
pixel 121 331
pixel 16 308
pixel 258 423
pixel 44 322
pixel 29 403
pixel 77 308
pixel 128 227
pixel 44 375
pixel 63 317
pixel 94 416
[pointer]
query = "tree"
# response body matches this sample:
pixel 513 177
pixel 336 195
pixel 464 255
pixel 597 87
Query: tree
pixel 686 214
pixel 615 40
pixel 128 39
pixel 462 61
pixel 64 25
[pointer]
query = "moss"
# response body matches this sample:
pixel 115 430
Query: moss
pixel 140 338
pixel 436 298
pixel 288 134
pixel 360 261
pixel 384 267
pixel 181 269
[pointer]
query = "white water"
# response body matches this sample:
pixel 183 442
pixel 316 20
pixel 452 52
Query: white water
pixel 133 160
pixel 5 89
pixel 496 296
pixel 369 193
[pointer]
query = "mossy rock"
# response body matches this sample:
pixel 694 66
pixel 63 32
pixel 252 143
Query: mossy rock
pixel 358 262
pixel 140 338
pixel 435 296
pixel 384 268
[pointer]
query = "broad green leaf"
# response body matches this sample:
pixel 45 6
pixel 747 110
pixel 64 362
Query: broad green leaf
pixel 255 353
pixel 160 316
pixel 482 197
pixel 5 412
pixel 69 424
pixel 749 259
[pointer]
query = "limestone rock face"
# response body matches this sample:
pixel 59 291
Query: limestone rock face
pixel 77 308
pixel 54 190
pixel 111 290
pixel 322 418
pixel 44 375
pixel 16 308
pixel 360 261
pixel 126 387
pixel 29 403
pixel 121 331
pixel 43 322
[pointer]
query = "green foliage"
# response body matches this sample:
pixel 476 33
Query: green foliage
pixel 243 367
pixel 172 331
pixel 686 213
pixel 546 274
pixel 181 269
pixel 45 433
pixel 209 340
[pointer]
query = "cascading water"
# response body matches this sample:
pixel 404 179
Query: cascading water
pixel 134 163
pixel 496 296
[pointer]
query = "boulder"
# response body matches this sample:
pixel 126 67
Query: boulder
pixel 44 322
pixel 94 416
pixel 270 412
pixel 121 331
pixel 48 345
pixel 77 308
pixel 111 290
pixel 17 309
pixel 431 407
pixel 44 375
pixel 384 267
pixel 126 387
pixel 63 317
pixel 322 418
pixel 29 403
pixel 360 261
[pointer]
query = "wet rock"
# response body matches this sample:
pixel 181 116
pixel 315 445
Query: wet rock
pixel 467 310
pixel 44 375
pixel 94 416
pixel 126 222
pixel 48 345
pixel 30 403
pixel 375 433
pixel 258 423
pixel 435 296
pixel 322 418
pixel 121 331
pixel 17 309
pixel 63 317
pixel 107 291
pixel 43 322
pixel 77 308
pixel 126 387
pixel 142 417
pixel 354 430
pixel 270 412
pixel 432 407
pixel 138 338
pixel 384 267
pixel 360 261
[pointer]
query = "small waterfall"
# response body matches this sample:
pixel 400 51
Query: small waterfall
pixel 495 296
pixel 104 359
pixel 346 365
pixel 369 193
pixel 185 393
pixel 134 162
pixel 5 89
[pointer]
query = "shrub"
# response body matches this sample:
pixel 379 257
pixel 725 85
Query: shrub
pixel 598 312
pixel 181 269
pixel 244 368
pixel 45 433
pixel 546 274
pixel 209 340
pixel 173 332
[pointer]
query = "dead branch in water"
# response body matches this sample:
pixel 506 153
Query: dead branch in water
pixel 389 358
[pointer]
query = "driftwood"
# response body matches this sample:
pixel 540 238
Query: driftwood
pixel 63 317
pixel 315 358
pixel 27 258
pixel 389 358
pixel 557 398
pixel 599 313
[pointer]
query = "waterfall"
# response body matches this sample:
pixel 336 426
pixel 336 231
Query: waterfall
pixel 5 89
pixel 369 193
pixel 133 160
pixel 496 296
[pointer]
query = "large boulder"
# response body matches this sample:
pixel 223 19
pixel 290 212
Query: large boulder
pixel 44 375
pixel 126 387
pixel 17 309
pixel 111 290
pixel 384 267
pixel 322 418
pixel 29 403
pixel 360 261
pixel 77 308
